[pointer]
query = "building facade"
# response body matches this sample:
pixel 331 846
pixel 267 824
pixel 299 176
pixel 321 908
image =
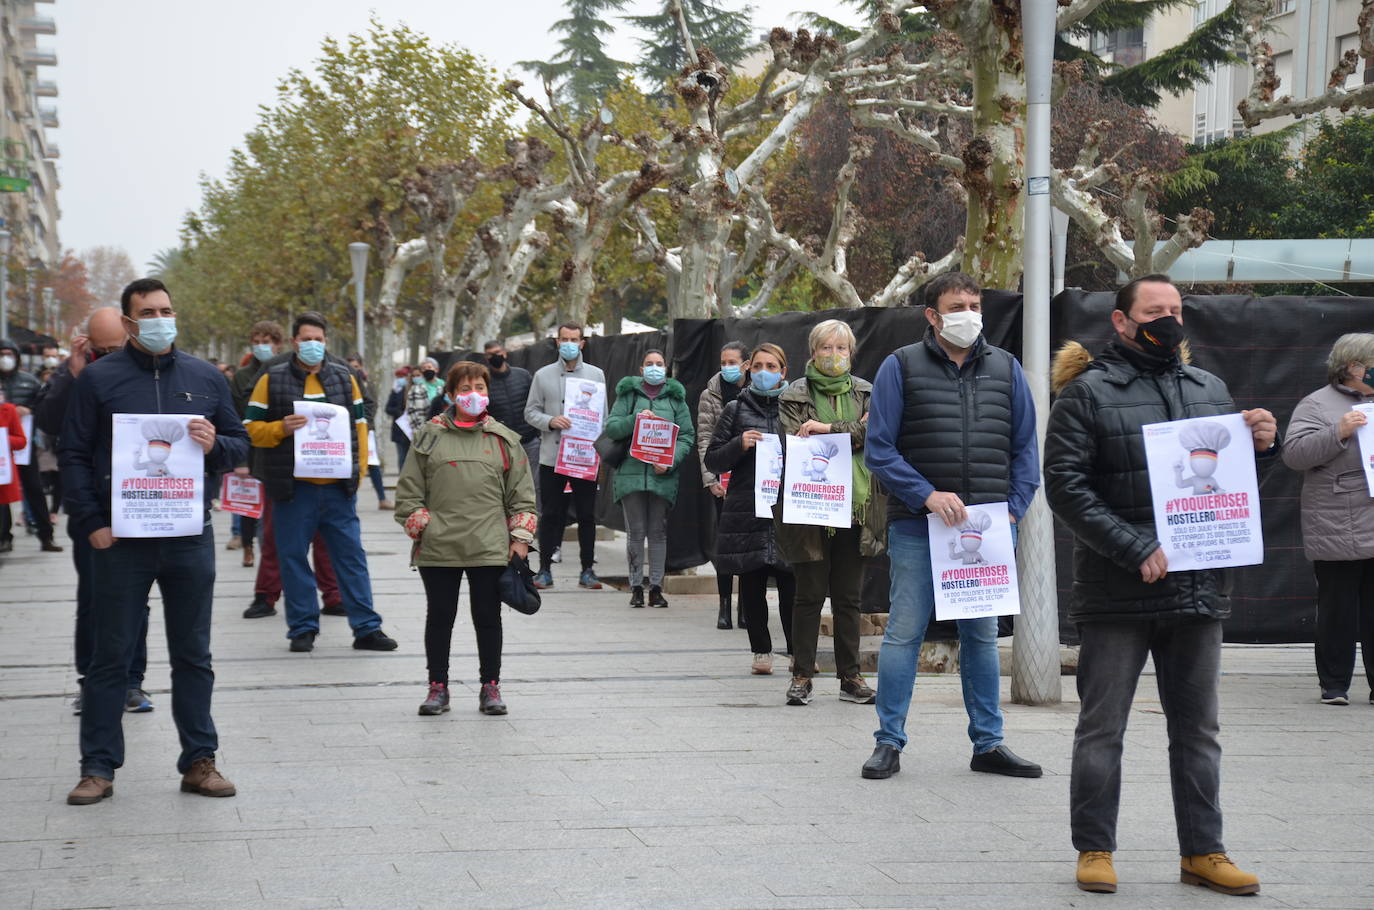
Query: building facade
pixel 28 172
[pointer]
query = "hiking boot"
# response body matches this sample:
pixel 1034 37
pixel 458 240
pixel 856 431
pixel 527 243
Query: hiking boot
pixel 1332 697
pixel 856 689
pixel 489 699
pixel 259 608
pixel 543 580
pixel 589 580
pixel 376 640
pixel 1216 871
pixel 248 556
pixel 1095 872
pixel 303 642
pixel 90 790
pixel 136 701
pixel 637 596
pixel 656 598
pixel 204 778
pixel 1002 760
pixel 333 610
pixel 799 693
pixel 723 619
pixel 50 547
pixel 234 543
pixel 762 665
pixel 885 761
pixel 436 702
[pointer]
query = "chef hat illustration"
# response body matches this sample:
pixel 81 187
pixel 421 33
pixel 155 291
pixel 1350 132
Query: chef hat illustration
pixel 322 412
pixel 162 432
pixel 587 388
pixel 974 526
pixel 1205 438
pixel 824 450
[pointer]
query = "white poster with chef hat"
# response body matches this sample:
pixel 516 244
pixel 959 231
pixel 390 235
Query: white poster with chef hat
pixel 324 446
pixel 157 477
pixel 1205 491
pixel 818 480
pixel 973 564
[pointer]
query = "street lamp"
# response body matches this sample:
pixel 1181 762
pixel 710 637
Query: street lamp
pixel 5 237
pixel 32 290
pixel 358 253
pixel 50 311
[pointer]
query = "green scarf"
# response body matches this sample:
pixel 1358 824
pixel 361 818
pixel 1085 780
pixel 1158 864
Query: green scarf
pixel 834 403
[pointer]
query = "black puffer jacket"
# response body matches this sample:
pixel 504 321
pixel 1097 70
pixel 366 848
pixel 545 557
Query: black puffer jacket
pixel 1097 482
pixel 743 543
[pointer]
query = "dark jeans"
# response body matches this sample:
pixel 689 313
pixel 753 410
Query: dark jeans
pixel 374 473
pixel 268 583
pixel 1345 615
pixel 442 585
pixel 82 554
pixel 753 599
pixel 52 483
pixel 840 573
pixel 248 530
pixel 184 570
pixel 31 483
pixel 402 449
pixel 554 517
pixel 725 582
pixel 1187 658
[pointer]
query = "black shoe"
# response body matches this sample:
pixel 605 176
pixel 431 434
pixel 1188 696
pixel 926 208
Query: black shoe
pixel 333 610
pixel 723 620
pixel 883 763
pixel 6 545
pixel 656 598
pixel 259 608
pixel 376 640
pixel 303 642
pixel 50 547
pixel 1004 761
pixel 1336 697
pixel 637 596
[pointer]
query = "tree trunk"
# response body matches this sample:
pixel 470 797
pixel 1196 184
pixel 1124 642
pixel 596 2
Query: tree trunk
pixel 579 280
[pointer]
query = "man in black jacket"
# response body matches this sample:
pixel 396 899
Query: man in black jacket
pixel 509 389
pixel 149 376
pixel 1126 603
pixel 20 389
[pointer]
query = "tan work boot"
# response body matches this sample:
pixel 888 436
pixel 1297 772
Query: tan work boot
pixel 1216 871
pixel 92 789
pixel 1095 872
pixel 204 778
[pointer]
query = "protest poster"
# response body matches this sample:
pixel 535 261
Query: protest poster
pixel 157 477
pixel 577 458
pixel 6 459
pixel 406 429
pixel 973 564
pixel 1365 435
pixel 818 480
pixel 24 455
pixel 324 446
pixel 1205 492
pixel 653 440
pixel 241 495
pixel 374 456
pixel 724 481
pixel 767 474
pixel 584 403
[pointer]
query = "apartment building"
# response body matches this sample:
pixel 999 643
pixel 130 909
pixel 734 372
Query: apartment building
pixel 28 169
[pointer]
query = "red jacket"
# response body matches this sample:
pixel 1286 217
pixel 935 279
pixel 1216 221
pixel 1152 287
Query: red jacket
pixel 9 422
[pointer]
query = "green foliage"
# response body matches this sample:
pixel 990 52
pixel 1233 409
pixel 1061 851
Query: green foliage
pixel 916 26
pixel 582 72
pixel 1184 66
pixel 727 32
pixel 1335 177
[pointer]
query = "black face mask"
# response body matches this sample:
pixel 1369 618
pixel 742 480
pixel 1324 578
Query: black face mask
pixel 429 375
pixel 496 361
pixel 1159 337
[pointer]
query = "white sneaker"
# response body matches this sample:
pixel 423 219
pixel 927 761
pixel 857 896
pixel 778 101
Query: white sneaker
pixel 763 665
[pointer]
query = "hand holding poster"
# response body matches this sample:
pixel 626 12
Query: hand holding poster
pixel 577 458
pixel 584 403
pixel 819 476
pixel 653 440
pixel 241 495
pixel 157 477
pixel 324 446
pixel 767 474
pixel 6 459
pixel 1205 492
pixel 1365 435
pixel 973 564
pixel 23 456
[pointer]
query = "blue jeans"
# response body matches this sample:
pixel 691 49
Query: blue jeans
pixel 329 510
pixel 184 569
pixel 85 620
pixel 236 525
pixel 374 472
pixel 912 605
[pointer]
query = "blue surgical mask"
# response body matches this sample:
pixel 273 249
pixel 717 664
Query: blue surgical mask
pixel 418 380
pixel 310 352
pixel 262 351
pixel 654 375
pixel 157 333
pixel 569 350
pixel 764 380
pixel 730 373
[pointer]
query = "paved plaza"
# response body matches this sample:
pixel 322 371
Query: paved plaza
pixel 640 766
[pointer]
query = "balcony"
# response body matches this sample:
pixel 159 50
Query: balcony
pixel 35 57
pixel 48 117
pixel 38 25
pixel 50 151
pixel 45 89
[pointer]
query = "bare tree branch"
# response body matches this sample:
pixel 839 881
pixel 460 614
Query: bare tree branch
pixel 780 272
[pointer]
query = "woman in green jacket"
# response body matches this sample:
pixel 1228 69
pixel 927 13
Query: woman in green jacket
pixel 647 491
pixel 466 498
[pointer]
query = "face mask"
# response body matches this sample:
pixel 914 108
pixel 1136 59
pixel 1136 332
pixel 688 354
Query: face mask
pixel 49 361
pixel 158 333
pixel 429 375
pixel 1160 336
pixel 833 364
pixel 262 351
pixel 310 352
pixel 961 329
pixel 730 373
pixel 765 381
pixel 654 375
pixel 7 363
pixel 496 361
pixel 474 404
pixel 418 380
pixel 1369 376
pixel 569 350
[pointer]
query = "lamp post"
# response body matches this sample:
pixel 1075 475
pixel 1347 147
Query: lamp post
pixel 5 238
pixel 31 288
pixel 1060 239
pixel 357 252
pixel 49 311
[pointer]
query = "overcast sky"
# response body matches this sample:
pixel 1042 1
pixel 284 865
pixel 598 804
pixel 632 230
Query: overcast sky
pixel 153 93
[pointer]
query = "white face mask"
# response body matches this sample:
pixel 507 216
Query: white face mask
pixel 961 329
pixel 7 363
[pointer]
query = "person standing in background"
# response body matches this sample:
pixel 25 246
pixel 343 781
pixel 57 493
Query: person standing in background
pixel 20 389
pixel 509 388
pixel 722 389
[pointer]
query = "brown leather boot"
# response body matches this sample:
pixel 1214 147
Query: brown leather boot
pixel 204 778
pixel 1095 872
pixel 92 789
pixel 1216 871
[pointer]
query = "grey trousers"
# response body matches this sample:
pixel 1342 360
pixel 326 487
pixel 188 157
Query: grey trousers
pixel 646 515
pixel 1187 658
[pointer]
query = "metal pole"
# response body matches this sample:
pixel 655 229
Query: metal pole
pixel 357 252
pixel 1035 649
pixel 50 312
pixel 1060 240
pixel 5 238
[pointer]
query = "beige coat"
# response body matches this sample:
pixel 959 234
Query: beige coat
pixel 1337 510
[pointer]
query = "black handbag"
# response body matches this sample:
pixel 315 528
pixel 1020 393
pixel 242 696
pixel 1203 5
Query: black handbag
pixel 516 587
pixel 613 452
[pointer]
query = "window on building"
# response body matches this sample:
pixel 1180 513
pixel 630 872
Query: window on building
pixel 1363 74
pixel 1124 47
pixel 1199 13
pixel 1283 68
pixel 1200 129
pixel 1284 6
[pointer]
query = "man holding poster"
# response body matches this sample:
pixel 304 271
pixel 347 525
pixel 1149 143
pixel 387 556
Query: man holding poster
pixel 175 410
pixel 1128 604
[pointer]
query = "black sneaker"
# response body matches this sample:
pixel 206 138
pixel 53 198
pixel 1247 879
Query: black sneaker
pixel 883 763
pixel 637 596
pixel 1332 697
pixel 489 699
pixel 799 693
pixel 656 598
pixel 1002 760
pixel 303 642
pixel 333 610
pixel 376 640
pixel 436 702
pixel 259 608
